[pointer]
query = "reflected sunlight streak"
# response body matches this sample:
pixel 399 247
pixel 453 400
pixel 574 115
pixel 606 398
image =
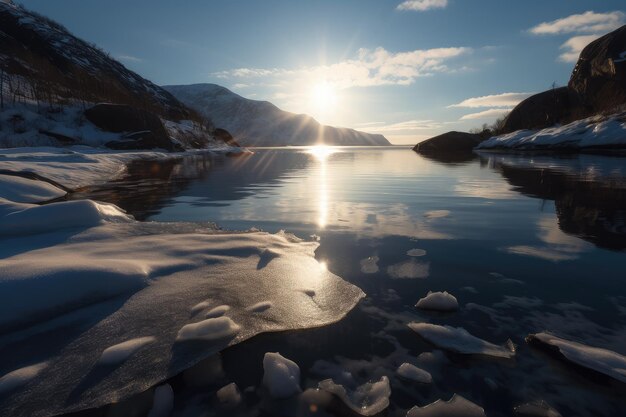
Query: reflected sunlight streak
pixel 321 153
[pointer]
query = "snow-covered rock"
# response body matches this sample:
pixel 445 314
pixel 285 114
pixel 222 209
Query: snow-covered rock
pixel 209 329
pixel 457 406
pixel 459 340
pixel 281 376
pixel 367 400
pixel 28 219
pixel 163 402
pixel 120 352
pixel 260 123
pixel 24 190
pixel 594 132
pixel 597 359
pixel 440 301
pixel 412 372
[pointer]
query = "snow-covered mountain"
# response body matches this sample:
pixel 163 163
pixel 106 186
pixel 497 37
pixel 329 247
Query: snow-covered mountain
pixel 260 123
pixel 38 54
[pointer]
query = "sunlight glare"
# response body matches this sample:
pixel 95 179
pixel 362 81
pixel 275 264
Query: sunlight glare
pixel 323 97
pixel 321 152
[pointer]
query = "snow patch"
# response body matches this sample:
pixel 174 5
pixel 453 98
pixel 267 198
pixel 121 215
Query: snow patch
pixel 117 354
pixel 24 190
pixel 217 311
pixel 209 329
pixel 20 377
pixel 260 306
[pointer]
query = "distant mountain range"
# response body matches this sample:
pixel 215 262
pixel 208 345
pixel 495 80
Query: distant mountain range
pixel 261 123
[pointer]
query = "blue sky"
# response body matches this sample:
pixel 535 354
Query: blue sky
pixel 409 70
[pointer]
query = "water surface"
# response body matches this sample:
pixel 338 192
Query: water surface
pixel 526 243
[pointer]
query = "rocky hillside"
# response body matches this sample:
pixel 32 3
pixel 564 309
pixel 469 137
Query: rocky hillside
pixel 260 123
pixel 49 76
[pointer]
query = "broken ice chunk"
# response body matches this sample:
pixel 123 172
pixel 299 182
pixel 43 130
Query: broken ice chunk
pixel 412 372
pixel 457 406
pixel 597 359
pixel 367 400
pixel 281 376
pixel 440 301
pixel 229 395
pixel 459 340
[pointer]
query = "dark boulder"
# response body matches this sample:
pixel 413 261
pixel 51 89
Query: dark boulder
pixel 559 105
pixel 600 73
pixel 145 128
pixel 451 143
pixel 225 136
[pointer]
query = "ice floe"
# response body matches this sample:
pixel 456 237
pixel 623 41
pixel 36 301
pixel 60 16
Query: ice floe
pixel 412 372
pixel 24 190
pixel 409 269
pixel 209 329
pixel 281 376
pixel 436 214
pixel 120 352
pixel 367 400
pixel 459 340
pixel 441 301
pixel 457 406
pixel 597 359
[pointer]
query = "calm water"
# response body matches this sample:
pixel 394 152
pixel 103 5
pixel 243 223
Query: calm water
pixel 526 243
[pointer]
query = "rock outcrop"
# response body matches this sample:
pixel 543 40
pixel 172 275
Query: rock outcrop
pixel 599 77
pixel 452 143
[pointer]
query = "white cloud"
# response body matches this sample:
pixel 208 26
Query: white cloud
pixel 422 5
pixel 486 114
pixel 588 22
pixel 574 46
pixel 495 100
pixel 370 68
pixel 409 125
pixel 129 58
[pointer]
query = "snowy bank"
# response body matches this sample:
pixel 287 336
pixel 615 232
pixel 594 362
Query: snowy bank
pixel 597 132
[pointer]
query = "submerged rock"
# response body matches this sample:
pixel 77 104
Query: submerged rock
pixel 450 143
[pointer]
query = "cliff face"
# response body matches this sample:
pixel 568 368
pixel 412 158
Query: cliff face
pixel 260 123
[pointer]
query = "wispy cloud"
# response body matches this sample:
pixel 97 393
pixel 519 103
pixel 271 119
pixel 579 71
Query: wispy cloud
pixel 370 68
pixel 422 5
pixel 574 46
pixel 407 126
pixel 588 22
pixel 486 114
pixel 586 26
pixel 129 58
pixel 495 100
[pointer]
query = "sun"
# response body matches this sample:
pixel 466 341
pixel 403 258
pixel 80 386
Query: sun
pixel 324 97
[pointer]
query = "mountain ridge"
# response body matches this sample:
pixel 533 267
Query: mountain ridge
pixel 262 123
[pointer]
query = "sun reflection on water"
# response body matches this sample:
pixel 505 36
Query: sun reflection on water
pixel 321 154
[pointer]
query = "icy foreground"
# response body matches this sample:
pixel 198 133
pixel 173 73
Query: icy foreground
pixel 597 359
pixel 459 340
pixel 593 132
pixel 136 302
pixel 367 400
